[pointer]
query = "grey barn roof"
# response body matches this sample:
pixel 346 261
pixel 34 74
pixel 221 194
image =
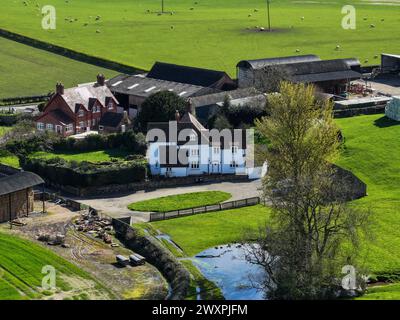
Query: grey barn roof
pixel 317 71
pixel 185 74
pixel 218 97
pixel 262 63
pixel 18 182
pixel 140 85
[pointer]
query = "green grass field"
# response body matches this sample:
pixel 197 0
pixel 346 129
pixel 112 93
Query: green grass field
pixel 372 153
pixel 90 156
pixel 199 232
pixel 181 201
pixel 29 71
pixel 213 34
pixel 21 264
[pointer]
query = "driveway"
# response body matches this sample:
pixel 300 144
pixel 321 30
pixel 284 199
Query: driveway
pixel 116 205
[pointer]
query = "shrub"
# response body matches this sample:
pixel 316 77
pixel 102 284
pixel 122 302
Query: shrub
pixel 85 174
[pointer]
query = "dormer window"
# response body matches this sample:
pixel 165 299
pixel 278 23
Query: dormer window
pixel 81 113
pixel 110 105
pixel 95 109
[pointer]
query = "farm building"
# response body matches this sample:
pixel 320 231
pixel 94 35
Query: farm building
pixel 392 110
pixel 219 80
pixel 77 110
pixel 330 76
pixel 16 195
pixel 206 106
pixel 390 63
pixel 132 90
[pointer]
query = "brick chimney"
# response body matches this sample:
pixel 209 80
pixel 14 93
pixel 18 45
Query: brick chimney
pixel 101 79
pixel 59 88
pixel 177 116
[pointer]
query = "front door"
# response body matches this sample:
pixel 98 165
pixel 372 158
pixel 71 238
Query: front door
pixel 215 167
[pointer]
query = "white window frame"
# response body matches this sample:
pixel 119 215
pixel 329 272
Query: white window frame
pixel 81 113
pixel 195 152
pixel 40 126
pixel 49 127
pixel 216 150
pixel 195 165
pixel 193 137
pixel 234 149
pixel 69 127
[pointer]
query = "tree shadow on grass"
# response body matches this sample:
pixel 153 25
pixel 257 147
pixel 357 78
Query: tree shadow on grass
pixel 385 122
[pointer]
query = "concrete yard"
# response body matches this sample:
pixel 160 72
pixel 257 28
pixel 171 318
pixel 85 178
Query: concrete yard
pixel 117 205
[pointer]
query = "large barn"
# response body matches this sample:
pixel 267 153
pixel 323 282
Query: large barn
pixel 330 76
pixel 16 195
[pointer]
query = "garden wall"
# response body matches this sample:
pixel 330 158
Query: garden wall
pixel 83 57
pixel 175 273
pixel 152 184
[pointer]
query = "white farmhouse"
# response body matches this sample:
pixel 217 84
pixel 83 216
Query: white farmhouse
pixel 183 148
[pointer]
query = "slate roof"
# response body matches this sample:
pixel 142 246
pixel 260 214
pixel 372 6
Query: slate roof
pixel 216 98
pixel 185 74
pixel 262 63
pixel 111 119
pixel 19 181
pixel 140 85
pixel 86 95
pixel 189 121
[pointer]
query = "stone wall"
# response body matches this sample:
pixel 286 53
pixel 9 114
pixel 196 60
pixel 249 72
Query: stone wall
pixel 175 273
pixel 21 204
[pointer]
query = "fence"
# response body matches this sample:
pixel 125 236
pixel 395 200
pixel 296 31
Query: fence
pixel 158 216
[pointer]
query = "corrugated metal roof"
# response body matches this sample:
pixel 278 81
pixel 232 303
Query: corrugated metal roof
pixel 327 76
pixel 262 63
pixel 18 182
pixel 215 98
pixel 141 86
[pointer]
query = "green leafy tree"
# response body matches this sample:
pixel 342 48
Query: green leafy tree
pixel 313 233
pixel 160 107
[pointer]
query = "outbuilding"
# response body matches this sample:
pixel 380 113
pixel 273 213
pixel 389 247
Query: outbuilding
pixel 392 110
pixel 16 195
pixel 390 63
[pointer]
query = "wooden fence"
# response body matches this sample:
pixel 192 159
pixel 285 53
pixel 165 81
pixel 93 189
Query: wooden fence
pixel 158 216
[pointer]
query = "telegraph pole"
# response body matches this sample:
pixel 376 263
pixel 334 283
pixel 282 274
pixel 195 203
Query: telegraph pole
pixel 269 19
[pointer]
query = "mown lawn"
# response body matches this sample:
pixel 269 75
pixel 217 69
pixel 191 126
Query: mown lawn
pixel 199 232
pixel 126 32
pixel 180 201
pixel 21 264
pixel 373 153
pixel 90 156
pixel 29 71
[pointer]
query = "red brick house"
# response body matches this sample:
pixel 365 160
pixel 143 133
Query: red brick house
pixel 78 109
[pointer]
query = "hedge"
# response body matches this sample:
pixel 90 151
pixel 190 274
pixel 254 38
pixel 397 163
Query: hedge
pixel 85 174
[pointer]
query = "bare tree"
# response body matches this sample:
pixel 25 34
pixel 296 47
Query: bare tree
pixel 313 233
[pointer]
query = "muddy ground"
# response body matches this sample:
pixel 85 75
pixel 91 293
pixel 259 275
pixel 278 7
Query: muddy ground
pixel 93 255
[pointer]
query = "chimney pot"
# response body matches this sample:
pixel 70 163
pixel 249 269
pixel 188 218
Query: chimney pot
pixel 101 79
pixel 59 88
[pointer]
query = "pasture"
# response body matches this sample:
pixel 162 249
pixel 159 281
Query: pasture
pixel 206 33
pixel 28 71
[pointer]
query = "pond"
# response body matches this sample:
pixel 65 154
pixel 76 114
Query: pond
pixel 227 267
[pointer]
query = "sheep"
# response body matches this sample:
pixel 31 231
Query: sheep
pixel 337 47
pixel 297 50
pixel 372 25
